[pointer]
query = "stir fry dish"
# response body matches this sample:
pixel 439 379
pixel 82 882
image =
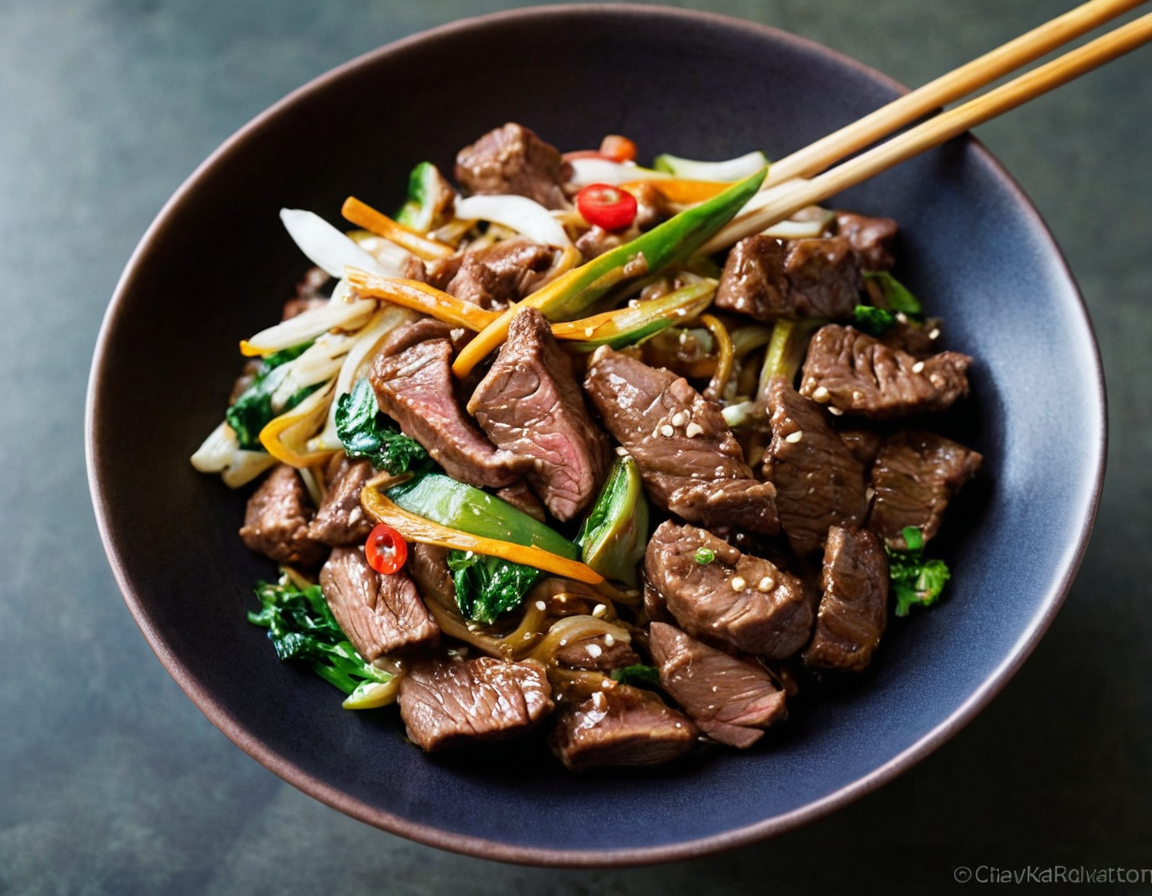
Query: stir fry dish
pixel 533 462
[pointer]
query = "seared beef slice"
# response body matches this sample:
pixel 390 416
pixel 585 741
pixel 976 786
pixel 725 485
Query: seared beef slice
pixel 341 520
pixel 415 388
pixel 500 274
pixel 857 374
pixel 512 159
pixel 447 704
pixel 380 614
pixel 621 725
pixel 531 406
pixel 819 483
pixel 871 239
pixel 854 608
pixel 691 462
pixel 717 593
pixel 276 521
pixel 732 700
pixel 915 475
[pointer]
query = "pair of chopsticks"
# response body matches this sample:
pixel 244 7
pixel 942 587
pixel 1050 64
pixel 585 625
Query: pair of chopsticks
pixel 788 187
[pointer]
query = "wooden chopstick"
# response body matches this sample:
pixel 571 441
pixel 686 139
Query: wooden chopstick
pixel 816 157
pixel 788 198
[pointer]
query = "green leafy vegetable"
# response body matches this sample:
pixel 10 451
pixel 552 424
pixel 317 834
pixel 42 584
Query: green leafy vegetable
pixel 428 195
pixel 614 535
pixel 301 627
pixel 704 556
pixel 640 675
pixel 896 294
pixel 367 432
pixel 487 586
pixel 872 320
pixel 253 409
pixel 914 579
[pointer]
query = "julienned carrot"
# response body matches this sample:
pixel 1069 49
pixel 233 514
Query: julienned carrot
pixel 681 191
pixel 420 529
pixel 421 297
pixel 302 421
pixel 365 216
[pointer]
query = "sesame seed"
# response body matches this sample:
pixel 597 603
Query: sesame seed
pixel 594 650
pixel 918 367
pixel 794 437
pixel 540 605
pixel 599 610
pixel 588 331
pixel 935 333
pixel 821 394
pixel 621 451
pixel 563 642
pixel 715 688
pixel 835 412
pixel 667 431
pixel 902 317
pixel 738 583
pixel 679 418
pixel 693 429
pixel 767 584
pixel 598 700
pixel 609 641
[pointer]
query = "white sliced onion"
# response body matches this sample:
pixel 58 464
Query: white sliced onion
pixel 727 170
pixel 326 247
pixel 603 171
pixel 520 213
pixel 390 255
pixel 221 453
pixel 319 363
pixel 310 324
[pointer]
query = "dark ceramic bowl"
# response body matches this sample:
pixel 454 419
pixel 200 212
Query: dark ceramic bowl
pixel 216 263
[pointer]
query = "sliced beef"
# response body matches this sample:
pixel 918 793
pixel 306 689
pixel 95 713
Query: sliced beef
pixel 864 444
pixel 914 477
pixel 818 481
pixel 732 700
pixel 307 295
pixel 437 273
pixel 415 388
pixel 621 725
pixel 596 241
pixel 871 239
pixel 522 498
pixel 340 520
pixel 717 593
pixel 531 406
pixel 918 340
pixel 501 274
pixel 767 279
pixel 277 518
pixel 428 566
pixel 512 159
pixel 414 333
pixel 652 206
pixel 446 704
pixel 691 463
pixel 857 374
pixel 602 654
pixel 379 614
pixel 854 607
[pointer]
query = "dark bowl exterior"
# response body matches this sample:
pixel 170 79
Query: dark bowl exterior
pixel 216 263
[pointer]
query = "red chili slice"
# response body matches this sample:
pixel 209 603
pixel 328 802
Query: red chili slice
pixel 618 148
pixel 385 550
pixel 603 205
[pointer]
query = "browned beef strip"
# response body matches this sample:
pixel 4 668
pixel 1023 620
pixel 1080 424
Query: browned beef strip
pixel 410 334
pixel 598 654
pixel 735 598
pixel 531 406
pixel 428 566
pixel 596 241
pixel 415 388
pixel 767 279
pixel 919 340
pixel 818 481
pixel 621 725
pixel 691 463
pixel 512 159
pixel 652 206
pixel 307 294
pixel 857 374
pixel 276 521
pixel 447 704
pixel 437 273
pixel 914 477
pixel 854 608
pixel 522 498
pixel 732 700
pixel 380 614
pixel 500 274
pixel 871 239
pixel 340 520
pixel 864 444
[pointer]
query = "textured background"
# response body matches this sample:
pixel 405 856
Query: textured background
pixel 111 781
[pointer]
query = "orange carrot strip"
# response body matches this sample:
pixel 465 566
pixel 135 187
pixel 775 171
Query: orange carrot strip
pixel 421 297
pixel 680 191
pixel 365 216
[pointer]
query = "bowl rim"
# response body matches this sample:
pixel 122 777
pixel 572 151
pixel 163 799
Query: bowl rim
pixel 481 847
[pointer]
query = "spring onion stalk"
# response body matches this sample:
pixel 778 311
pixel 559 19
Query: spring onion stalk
pixel 429 194
pixel 786 350
pixel 724 357
pixel 519 213
pixel 589 171
pixel 307 326
pixel 614 535
pixel 572 293
pixel 328 248
pixel 728 170
pixel 635 323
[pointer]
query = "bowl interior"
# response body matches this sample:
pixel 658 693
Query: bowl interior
pixel 216 265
